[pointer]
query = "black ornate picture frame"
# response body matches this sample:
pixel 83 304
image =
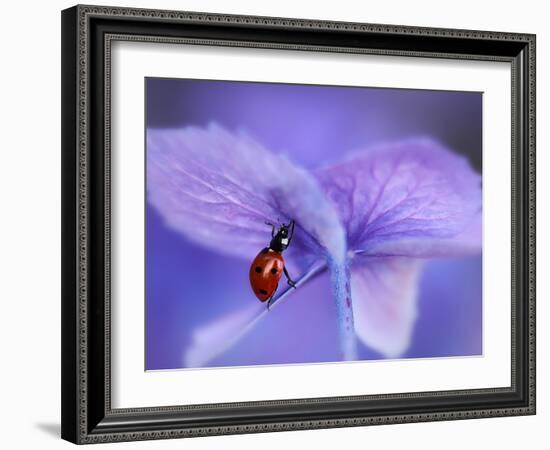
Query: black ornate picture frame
pixel 87 35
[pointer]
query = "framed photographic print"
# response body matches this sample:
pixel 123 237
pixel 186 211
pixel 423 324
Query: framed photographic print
pixel 280 224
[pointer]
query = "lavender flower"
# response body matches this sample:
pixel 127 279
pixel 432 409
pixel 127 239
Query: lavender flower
pixel 371 221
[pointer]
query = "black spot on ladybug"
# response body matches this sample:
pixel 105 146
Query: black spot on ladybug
pixel 263 292
pixel 273 271
pixel 258 269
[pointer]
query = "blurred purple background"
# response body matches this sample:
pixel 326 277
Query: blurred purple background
pixel 189 286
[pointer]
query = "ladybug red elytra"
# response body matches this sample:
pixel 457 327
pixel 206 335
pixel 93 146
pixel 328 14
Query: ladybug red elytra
pixel 268 266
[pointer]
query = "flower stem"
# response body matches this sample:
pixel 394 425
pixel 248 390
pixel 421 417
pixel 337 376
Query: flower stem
pixel 340 281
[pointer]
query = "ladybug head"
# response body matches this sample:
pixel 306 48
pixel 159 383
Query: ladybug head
pixel 281 239
pixel 284 230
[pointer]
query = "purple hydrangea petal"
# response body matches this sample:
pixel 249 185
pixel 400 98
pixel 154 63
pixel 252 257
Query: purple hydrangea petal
pixel 412 197
pixel 215 338
pixel 213 186
pixel 464 244
pixel 385 302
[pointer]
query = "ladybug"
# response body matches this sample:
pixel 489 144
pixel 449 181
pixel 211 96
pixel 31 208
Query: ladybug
pixel 268 266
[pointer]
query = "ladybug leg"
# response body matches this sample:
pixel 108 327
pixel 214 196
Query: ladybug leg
pixel 291 232
pixel 272 228
pixel 269 302
pixel 289 280
pixel 271 299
